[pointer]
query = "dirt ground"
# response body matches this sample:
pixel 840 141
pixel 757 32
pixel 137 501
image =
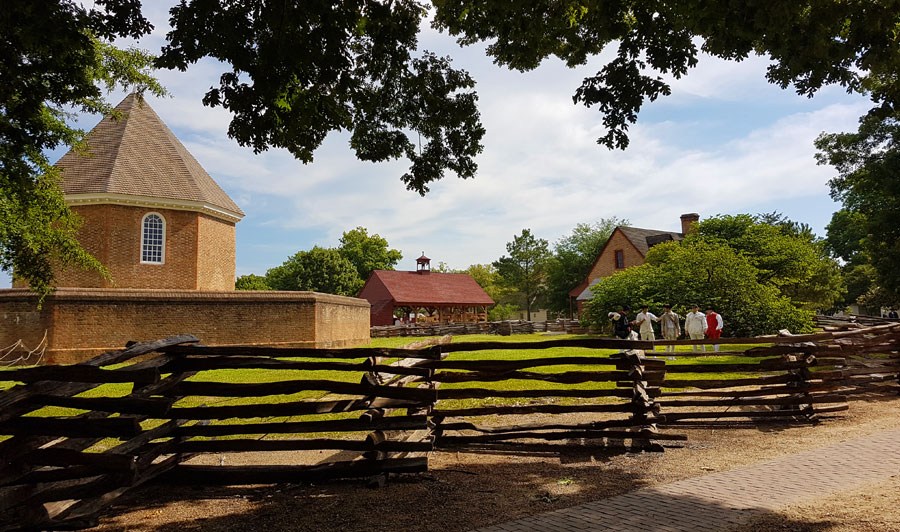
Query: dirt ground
pixel 874 508
pixel 469 490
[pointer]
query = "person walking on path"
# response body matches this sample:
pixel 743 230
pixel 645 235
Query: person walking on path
pixel 670 326
pixel 714 324
pixel 695 325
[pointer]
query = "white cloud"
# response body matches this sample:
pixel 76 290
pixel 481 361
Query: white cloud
pixel 541 167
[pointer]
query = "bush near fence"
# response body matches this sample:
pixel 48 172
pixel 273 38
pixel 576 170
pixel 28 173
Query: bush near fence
pixel 394 407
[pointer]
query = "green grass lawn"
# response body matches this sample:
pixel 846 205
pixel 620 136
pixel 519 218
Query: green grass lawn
pixel 268 375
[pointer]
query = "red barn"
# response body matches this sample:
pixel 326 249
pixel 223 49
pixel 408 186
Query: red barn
pixel 443 297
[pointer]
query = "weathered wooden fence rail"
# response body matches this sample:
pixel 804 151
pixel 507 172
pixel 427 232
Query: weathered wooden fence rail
pixel 59 471
pixel 383 410
pixel 504 328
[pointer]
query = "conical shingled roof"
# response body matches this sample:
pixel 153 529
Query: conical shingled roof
pixel 139 156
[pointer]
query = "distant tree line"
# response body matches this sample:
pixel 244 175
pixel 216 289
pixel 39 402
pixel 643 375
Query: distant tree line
pixel 342 270
pixel 763 272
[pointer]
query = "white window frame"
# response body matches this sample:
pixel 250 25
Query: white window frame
pixel 143 242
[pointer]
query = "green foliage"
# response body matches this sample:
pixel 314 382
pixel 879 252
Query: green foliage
pixel 317 270
pixel 786 255
pixel 56 62
pixel 342 270
pixel 443 267
pixel 488 278
pixel 251 282
pixel 573 257
pixel 705 273
pixel 299 70
pixel 867 164
pixel 811 44
pixel 367 253
pixel 524 270
pixel 844 236
pixel 502 311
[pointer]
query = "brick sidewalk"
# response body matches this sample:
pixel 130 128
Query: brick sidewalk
pixel 727 498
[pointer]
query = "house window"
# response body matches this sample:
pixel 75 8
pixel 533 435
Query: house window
pixel 620 259
pixel 153 239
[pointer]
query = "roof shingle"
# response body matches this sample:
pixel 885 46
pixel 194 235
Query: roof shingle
pixel 644 239
pixel 413 288
pixel 139 156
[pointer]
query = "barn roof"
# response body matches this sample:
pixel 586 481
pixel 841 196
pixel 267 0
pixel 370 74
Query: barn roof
pixel 414 288
pixel 139 157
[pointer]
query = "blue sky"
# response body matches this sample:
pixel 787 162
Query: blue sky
pixel 725 141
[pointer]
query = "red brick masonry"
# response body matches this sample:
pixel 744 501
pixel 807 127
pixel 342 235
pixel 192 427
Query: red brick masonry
pixel 82 322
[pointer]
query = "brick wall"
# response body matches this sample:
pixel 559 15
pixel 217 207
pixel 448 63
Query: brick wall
pixel 606 263
pixel 112 234
pixel 82 323
pixel 339 324
pixel 215 254
pixel 199 250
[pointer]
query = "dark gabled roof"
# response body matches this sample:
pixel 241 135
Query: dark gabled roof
pixel 644 239
pixel 139 156
pixel 641 239
pixel 413 288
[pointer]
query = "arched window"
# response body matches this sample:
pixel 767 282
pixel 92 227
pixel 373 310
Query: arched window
pixel 153 239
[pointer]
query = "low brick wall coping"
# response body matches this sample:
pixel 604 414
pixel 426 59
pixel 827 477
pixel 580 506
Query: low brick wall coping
pixel 194 296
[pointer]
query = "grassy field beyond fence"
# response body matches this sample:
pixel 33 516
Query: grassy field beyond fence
pixel 266 375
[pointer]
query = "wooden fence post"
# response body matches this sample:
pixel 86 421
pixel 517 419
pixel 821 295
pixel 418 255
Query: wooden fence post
pixel 800 378
pixel 644 408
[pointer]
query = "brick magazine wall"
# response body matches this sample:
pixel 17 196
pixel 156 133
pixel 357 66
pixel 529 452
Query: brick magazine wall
pixel 215 253
pixel 112 234
pixel 199 254
pixel 81 323
pixel 606 263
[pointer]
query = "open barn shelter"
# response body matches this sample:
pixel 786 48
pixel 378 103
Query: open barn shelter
pixel 441 297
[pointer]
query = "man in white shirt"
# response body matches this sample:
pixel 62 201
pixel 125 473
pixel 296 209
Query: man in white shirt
pixel 695 325
pixel 644 321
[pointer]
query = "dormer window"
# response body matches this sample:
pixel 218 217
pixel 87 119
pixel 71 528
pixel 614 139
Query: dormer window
pixel 153 239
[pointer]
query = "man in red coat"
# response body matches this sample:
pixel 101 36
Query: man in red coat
pixel 714 324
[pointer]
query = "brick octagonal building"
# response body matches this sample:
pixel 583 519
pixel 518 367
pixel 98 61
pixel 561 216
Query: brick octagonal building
pixel 166 232
pixel 152 215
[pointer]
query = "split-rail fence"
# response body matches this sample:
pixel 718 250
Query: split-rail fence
pixel 380 411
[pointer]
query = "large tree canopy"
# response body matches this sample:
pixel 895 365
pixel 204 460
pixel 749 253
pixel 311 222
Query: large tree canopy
pixel 299 70
pixel 868 166
pixel 812 43
pixel 367 253
pixel 316 270
pixel 786 256
pixel 54 61
pixel 699 272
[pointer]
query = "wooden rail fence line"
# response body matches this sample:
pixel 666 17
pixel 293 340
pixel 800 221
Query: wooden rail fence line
pixel 385 409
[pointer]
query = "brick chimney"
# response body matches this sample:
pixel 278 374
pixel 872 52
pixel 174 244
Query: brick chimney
pixel 687 220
